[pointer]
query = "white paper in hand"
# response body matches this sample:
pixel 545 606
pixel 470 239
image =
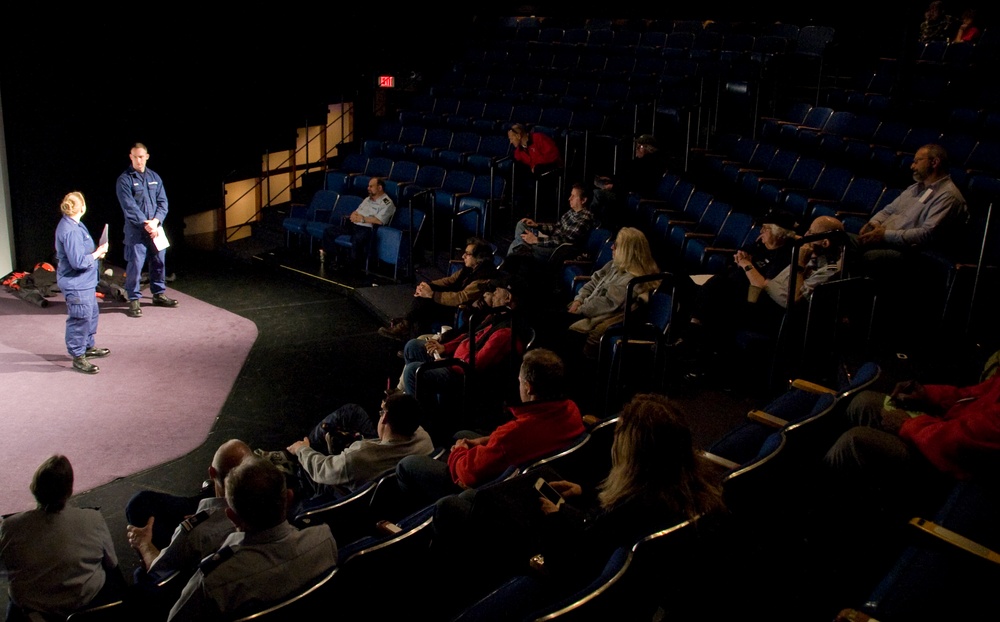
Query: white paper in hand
pixel 160 241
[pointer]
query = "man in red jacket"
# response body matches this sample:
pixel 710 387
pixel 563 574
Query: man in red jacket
pixel 544 423
pixel 919 436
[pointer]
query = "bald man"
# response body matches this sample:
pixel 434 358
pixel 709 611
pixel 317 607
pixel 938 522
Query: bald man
pixel 817 262
pixel 197 535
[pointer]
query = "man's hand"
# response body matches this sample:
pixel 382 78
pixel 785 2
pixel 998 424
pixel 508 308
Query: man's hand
pixel 529 222
pixel 910 394
pixel 297 445
pixel 567 489
pixel 141 539
pixel 529 237
pixel 356 218
pixel 152 227
pixel 424 290
pixel 893 419
pixel 805 253
pixel 874 234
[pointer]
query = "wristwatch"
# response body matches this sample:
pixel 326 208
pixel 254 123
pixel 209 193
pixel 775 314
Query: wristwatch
pixel 748 267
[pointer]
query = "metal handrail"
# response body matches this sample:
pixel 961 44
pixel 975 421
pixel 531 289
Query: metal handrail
pixel 291 167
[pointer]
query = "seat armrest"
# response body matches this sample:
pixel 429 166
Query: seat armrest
pixel 955 539
pixel 719 460
pixel 811 387
pixel 759 416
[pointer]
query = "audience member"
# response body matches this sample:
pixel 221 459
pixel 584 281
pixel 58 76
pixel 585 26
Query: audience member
pixel 438 300
pixel 196 533
pixel 334 470
pixel 58 559
pixel 656 481
pixel 544 422
pixel 921 217
pixel 494 342
pixel 919 436
pixel 376 209
pixel 601 301
pixel 727 291
pixel 968 30
pixel 266 560
pixel 937 25
pixel 540 240
pixel 642 174
pixel 535 154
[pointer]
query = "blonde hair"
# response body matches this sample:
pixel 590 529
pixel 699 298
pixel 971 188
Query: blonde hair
pixel 652 458
pixel 632 253
pixel 72 203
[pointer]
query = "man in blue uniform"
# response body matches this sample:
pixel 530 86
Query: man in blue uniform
pixel 144 202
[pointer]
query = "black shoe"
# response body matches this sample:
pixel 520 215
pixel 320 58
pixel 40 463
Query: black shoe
pixel 396 330
pixel 161 300
pixel 134 310
pixel 96 353
pixel 80 363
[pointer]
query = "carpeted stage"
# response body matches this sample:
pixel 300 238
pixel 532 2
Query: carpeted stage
pixel 156 398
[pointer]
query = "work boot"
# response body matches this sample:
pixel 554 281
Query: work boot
pixel 80 363
pixel 134 310
pixel 161 300
pixel 96 353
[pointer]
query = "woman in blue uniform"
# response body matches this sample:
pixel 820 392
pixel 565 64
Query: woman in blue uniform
pixel 76 274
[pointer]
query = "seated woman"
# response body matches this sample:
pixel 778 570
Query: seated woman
pixel 656 481
pixel 601 301
pixel 59 559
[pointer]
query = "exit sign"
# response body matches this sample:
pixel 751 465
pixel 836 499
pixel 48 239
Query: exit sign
pixel 386 82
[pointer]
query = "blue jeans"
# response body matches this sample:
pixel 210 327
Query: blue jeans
pixel 541 253
pixel 435 380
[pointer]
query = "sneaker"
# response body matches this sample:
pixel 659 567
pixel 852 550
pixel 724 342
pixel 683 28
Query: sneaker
pixel 161 300
pixel 399 330
pixel 80 363
pixel 96 353
pixel 134 310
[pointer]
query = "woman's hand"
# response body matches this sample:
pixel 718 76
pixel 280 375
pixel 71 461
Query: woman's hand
pixel 548 507
pixel 567 489
pixel 574 307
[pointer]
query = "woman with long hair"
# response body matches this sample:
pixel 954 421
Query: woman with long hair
pixel 601 301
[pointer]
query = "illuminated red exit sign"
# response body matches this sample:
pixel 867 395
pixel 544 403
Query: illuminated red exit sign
pixel 386 82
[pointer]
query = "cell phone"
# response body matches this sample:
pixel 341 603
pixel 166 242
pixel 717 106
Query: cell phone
pixel 547 491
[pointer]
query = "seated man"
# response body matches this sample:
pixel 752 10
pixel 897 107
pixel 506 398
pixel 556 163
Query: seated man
pixel 335 471
pixel 494 338
pixel 58 558
pixel 266 560
pixel 195 536
pixel 376 209
pixel 907 448
pixel 539 240
pixel 817 262
pixel 438 300
pixel 920 218
pixel 545 422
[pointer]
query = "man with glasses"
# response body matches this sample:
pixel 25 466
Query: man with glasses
pixel 437 300
pixel 920 217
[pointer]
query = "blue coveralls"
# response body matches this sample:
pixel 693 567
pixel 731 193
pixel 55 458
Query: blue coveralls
pixel 76 274
pixel 142 198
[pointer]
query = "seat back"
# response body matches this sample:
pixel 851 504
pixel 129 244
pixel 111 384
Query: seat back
pixel 303 604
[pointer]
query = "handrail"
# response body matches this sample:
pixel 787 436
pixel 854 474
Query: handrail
pixel 291 167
